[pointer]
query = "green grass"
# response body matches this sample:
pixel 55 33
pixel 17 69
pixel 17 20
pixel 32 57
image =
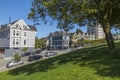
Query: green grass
pixel 93 63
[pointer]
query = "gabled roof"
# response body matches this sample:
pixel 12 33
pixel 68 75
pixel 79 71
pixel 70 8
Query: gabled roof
pixel 5 26
pixel 71 34
pixel 14 22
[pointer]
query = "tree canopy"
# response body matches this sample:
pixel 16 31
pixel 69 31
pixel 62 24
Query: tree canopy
pixel 70 12
pixel 40 43
pixel 76 11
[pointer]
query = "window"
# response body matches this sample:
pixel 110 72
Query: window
pixel 65 37
pixel 17 33
pixel 17 41
pixel 13 41
pixel 24 42
pixel 14 33
pixel 24 34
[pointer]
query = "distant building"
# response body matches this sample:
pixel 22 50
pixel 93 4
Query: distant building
pixel 97 30
pixel 88 36
pixel 74 37
pixel 16 35
pixel 58 40
pixel 116 36
pixel 78 36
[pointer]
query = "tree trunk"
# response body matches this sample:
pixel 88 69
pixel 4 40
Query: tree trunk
pixel 109 37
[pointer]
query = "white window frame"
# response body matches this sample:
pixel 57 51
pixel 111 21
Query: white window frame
pixel 25 42
pixel 13 41
pixel 13 32
pixel 17 41
pixel 25 34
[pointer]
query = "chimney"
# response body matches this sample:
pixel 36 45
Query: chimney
pixel 9 20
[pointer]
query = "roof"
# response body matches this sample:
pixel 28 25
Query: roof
pixel 13 22
pixel 58 33
pixel 3 26
pixel 71 34
pixel 32 27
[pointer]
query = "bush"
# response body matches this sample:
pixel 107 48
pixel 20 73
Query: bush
pixel 94 42
pixel 25 49
pixel 17 57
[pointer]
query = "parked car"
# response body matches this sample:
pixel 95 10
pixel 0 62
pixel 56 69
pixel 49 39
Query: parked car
pixel 34 57
pixel 26 54
pixel 14 63
pixel 47 54
pixel 38 51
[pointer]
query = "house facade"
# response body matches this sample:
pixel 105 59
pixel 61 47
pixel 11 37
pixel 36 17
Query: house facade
pixel 58 40
pixel 88 36
pixel 79 36
pixel 17 35
pixel 116 36
pixel 97 30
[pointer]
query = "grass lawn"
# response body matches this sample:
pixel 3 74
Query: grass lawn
pixel 93 63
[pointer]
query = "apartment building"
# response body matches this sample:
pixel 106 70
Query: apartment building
pixel 58 40
pixel 97 30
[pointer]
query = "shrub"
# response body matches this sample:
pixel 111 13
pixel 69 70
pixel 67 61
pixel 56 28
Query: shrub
pixel 25 49
pixel 17 57
pixel 94 42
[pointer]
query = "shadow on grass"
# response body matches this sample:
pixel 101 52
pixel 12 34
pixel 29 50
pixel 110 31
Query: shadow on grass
pixel 97 58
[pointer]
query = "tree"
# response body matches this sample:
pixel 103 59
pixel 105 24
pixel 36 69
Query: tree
pixel 78 31
pixel 70 12
pixel 40 43
pixel 25 49
pixel 17 57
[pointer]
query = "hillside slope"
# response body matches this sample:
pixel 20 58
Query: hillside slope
pixel 93 63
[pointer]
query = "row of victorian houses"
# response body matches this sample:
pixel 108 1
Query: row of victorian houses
pixel 62 40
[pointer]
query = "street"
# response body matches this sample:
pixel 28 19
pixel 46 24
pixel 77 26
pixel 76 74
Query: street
pixel 24 59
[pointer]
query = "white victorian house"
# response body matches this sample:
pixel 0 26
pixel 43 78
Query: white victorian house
pixel 15 36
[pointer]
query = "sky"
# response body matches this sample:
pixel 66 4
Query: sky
pixel 19 9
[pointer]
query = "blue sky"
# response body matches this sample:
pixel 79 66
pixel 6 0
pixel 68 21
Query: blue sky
pixel 19 9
